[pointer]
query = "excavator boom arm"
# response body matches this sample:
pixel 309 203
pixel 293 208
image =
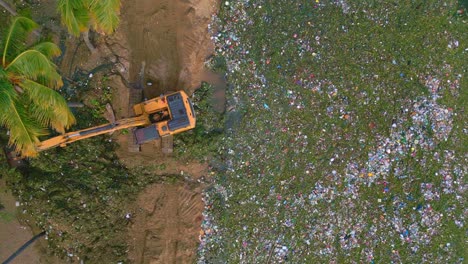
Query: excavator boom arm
pixel 70 137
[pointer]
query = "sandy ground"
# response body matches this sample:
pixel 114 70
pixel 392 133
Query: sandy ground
pixel 167 220
pixel 12 234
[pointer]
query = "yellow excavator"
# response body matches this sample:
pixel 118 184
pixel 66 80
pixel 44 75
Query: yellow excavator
pixel 154 119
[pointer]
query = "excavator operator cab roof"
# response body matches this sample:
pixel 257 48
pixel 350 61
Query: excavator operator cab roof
pixel 180 117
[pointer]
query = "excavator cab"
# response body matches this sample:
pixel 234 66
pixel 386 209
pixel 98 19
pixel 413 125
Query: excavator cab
pixel 171 114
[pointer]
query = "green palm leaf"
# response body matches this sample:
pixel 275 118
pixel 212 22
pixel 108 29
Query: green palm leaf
pixel 74 15
pixel 49 49
pixel 24 132
pixel 34 65
pixel 105 15
pixel 14 40
pixel 28 103
pixel 46 116
pixel 48 106
pixel 4 95
pixel 7 95
pixel 7 92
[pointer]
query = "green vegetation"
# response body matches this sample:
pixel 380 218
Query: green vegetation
pixel 79 16
pixel 28 77
pixel 99 103
pixel 6 217
pixel 204 141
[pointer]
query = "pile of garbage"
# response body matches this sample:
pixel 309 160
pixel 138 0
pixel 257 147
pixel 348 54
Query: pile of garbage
pixel 268 205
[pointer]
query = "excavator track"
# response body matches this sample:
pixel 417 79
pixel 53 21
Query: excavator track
pixel 135 97
pixel 167 144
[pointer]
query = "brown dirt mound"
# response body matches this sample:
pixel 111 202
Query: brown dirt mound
pixel 166 221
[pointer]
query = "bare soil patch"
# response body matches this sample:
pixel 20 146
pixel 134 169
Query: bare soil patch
pixel 166 224
pixel 170 36
pixel 13 234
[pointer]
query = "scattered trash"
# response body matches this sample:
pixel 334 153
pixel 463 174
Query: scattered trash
pixel 361 203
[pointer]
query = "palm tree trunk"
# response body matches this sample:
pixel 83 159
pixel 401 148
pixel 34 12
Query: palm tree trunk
pixel 8 8
pixel 88 42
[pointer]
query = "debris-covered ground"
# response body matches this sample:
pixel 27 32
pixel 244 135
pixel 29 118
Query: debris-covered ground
pixel 346 133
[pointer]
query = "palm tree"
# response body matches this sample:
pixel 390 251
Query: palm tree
pixel 28 102
pixel 79 16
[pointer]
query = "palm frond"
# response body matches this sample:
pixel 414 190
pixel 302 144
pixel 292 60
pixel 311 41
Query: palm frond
pixel 16 35
pixel 5 98
pixel 74 15
pixel 105 15
pixel 48 106
pixel 7 94
pixel 46 116
pixel 49 49
pixel 24 132
pixel 34 65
